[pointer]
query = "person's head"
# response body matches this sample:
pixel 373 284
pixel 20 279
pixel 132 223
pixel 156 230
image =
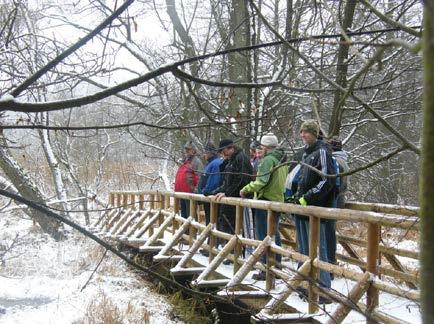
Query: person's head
pixel 253 147
pixel 269 142
pixel 335 143
pixel 226 148
pixel 189 149
pixel 309 131
pixel 210 150
pixel 260 152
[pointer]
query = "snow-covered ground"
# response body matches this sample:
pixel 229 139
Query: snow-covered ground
pixel 41 282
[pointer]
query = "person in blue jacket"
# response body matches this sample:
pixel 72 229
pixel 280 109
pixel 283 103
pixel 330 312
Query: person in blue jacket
pixel 210 178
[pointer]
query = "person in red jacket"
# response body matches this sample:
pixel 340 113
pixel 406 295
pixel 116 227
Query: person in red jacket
pixel 188 174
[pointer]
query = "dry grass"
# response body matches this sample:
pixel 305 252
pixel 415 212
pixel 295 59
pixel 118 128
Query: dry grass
pixel 191 310
pixel 102 310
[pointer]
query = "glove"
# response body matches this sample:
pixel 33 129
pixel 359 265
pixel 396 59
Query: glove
pixel 291 199
pixel 302 201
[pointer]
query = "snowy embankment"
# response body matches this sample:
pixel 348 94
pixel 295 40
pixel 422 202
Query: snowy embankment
pixel 41 282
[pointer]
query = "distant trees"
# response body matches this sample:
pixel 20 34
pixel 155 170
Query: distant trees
pixel 351 65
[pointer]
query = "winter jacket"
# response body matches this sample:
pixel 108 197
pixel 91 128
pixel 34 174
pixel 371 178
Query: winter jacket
pixel 187 176
pixel 211 177
pixel 237 172
pixel 270 181
pixel 316 189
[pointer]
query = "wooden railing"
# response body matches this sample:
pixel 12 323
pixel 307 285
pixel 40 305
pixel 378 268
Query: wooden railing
pixel 133 225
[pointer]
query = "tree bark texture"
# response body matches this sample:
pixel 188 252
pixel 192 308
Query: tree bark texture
pixel 427 168
pixel 342 69
pixel 28 190
pixel 239 69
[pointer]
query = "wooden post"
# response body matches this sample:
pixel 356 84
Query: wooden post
pixel 176 211
pixel 314 237
pixel 161 206
pixel 355 294
pixel 118 200
pixel 193 215
pixel 124 200
pixel 374 231
pixel 133 201
pixel 141 201
pixel 213 221
pixel 167 202
pixel 111 199
pixel 271 232
pixel 238 229
pixel 151 206
pixel 151 201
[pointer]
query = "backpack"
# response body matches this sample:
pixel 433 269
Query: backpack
pixel 336 168
pixel 342 167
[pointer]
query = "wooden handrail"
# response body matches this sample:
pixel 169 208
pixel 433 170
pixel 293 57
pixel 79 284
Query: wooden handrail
pixel 375 215
pixel 360 216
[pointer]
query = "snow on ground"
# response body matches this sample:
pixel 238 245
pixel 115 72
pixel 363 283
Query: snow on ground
pixel 398 307
pixel 40 281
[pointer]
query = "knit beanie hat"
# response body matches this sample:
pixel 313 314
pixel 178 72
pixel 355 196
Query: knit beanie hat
pixel 310 126
pixel 225 143
pixel 269 140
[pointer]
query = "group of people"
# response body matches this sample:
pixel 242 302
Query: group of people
pixel 265 175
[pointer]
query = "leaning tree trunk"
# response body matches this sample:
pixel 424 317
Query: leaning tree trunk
pixel 427 170
pixel 54 165
pixel 28 190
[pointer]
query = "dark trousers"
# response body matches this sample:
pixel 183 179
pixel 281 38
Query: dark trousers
pixel 185 208
pixel 226 220
pixel 302 228
pixel 207 210
pixel 260 218
pixel 330 234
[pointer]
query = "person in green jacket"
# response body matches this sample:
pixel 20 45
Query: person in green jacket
pixel 269 185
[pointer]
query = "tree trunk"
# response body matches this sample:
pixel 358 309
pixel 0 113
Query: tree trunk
pixel 342 70
pixel 427 170
pixel 53 164
pixel 28 190
pixel 239 69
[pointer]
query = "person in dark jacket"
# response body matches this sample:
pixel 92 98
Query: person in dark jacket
pixel 236 173
pixel 187 176
pixel 313 189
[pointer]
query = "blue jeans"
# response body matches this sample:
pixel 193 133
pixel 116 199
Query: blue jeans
pixel 185 208
pixel 260 218
pixel 302 228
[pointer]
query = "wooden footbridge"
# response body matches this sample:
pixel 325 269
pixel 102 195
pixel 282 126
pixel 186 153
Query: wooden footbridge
pixel 150 221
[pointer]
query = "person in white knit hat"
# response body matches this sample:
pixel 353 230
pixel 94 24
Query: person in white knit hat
pixel 269 185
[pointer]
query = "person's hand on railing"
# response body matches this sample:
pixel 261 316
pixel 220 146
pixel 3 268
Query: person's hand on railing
pixel 302 201
pixel 295 199
pixel 219 196
pixel 291 199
